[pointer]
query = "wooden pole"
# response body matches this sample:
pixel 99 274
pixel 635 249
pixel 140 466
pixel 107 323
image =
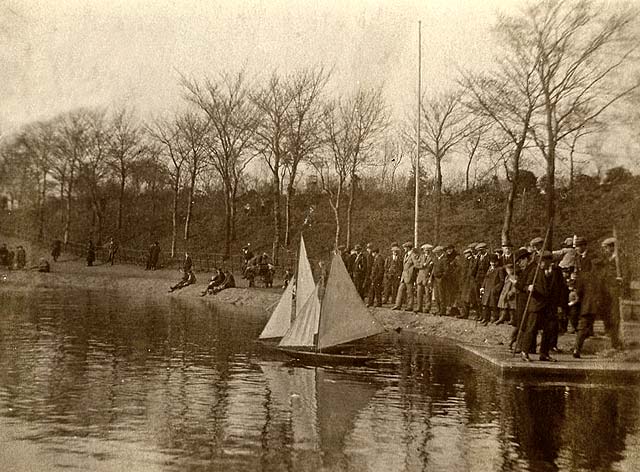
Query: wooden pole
pixel 417 167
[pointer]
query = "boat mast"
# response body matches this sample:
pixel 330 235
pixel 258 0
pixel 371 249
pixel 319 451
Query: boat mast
pixel 417 166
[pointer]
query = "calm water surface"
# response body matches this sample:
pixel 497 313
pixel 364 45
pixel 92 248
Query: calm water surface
pixel 93 381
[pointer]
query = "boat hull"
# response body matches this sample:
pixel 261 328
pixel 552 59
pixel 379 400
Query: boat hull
pixel 324 358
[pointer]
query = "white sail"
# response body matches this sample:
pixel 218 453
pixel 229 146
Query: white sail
pixel 280 319
pixel 344 316
pixel 304 279
pixel 305 327
pixel 299 288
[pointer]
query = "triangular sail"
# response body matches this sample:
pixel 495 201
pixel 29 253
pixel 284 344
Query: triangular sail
pixel 300 287
pixel 280 319
pixel 304 279
pixel 305 327
pixel 344 316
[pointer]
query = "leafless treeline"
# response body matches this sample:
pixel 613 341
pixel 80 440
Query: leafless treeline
pixel 560 65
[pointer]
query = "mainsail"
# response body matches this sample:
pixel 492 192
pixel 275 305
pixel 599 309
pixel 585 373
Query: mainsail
pixel 305 327
pixel 343 316
pixel 297 292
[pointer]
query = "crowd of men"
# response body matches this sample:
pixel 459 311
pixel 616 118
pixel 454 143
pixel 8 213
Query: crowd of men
pixel 530 288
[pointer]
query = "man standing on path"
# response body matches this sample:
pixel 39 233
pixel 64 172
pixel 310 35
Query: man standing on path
pixel 548 292
pixel 376 277
pixel 409 268
pixel 392 273
pixel 424 279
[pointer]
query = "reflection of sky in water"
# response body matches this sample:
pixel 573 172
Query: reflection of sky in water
pixel 96 382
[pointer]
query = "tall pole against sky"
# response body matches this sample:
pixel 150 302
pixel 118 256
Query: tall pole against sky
pixel 417 166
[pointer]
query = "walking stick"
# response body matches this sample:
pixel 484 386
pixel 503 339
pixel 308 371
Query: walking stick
pixel 526 306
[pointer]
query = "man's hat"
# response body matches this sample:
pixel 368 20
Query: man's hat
pixel 522 252
pixel 568 242
pixel 472 245
pixel 493 258
pixel 481 246
pixel 609 242
pixel 407 244
pixel 580 241
pixel 438 249
pixel 375 249
pixel 536 241
pixel 369 245
pixel 395 244
pixel 467 251
pixel 357 247
pixel 449 246
pixel 507 244
pixel 427 247
pixel 342 247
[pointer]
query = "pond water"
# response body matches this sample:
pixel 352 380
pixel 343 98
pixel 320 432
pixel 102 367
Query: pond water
pixel 93 381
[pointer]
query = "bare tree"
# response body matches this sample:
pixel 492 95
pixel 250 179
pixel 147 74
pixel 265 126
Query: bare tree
pixel 70 148
pixel 193 130
pixel 304 120
pixel 167 135
pixel 125 147
pixel 95 168
pixel 509 97
pixel 389 159
pixel 364 118
pixel 332 166
pixel 233 120
pixel 273 102
pixel 445 126
pixel 38 140
pixel 582 51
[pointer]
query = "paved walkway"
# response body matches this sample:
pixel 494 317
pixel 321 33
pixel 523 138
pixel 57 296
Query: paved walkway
pixel 588 368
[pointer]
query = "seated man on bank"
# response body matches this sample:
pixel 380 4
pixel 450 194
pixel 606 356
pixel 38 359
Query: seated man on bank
pixel 228 282
pixel 216 280
pixel 43 266
pixel 188 278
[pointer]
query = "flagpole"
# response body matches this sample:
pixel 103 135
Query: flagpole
pixel 417 167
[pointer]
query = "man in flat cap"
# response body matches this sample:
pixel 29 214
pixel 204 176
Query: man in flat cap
pixel 583 258
pixel 536 245
pixel 359 269
pixel 439 272
pixel 613 288
pixel 392 273
pixel 548 292
pixel 423 281
pixel 410 265
pixel 468 295
pixel 376 278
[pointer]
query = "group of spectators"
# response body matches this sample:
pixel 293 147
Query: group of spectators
pixel 221 280
pixel 530 288
pixel 12 259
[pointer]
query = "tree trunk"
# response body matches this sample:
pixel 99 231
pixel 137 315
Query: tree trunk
pixel 287 218
pixel 336 213
pixel 289 199
pixel 505 236
pixel 277 216
pixel 187 220
pixel 233 214
pixel 174 215
pixel 43 197
pixel 121 201
pixel 227 221
pixel 352 195
pixel 438 197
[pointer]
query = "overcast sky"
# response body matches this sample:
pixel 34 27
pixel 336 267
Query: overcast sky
pixel 57 55
pixel 66 53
